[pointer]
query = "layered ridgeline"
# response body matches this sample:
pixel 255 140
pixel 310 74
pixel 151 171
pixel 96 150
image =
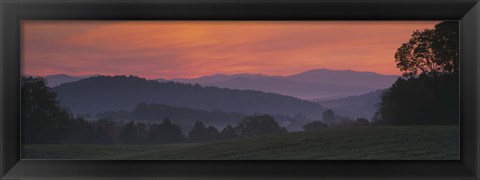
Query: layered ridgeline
pixel 112 93
pixel 361 106
pixel 308 85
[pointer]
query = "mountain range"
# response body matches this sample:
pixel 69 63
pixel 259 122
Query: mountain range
pixel 308 85
pixel 349 93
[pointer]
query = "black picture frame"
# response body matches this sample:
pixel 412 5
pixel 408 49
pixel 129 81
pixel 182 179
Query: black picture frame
pixel 12 12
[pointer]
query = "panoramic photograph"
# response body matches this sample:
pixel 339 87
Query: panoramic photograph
pixel 240 90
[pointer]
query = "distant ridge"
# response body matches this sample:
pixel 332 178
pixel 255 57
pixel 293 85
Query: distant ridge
pixel 217 78
pixel 302 90
pixel 309 85
pixel 312 84
pixel 345 77
pixel 57 79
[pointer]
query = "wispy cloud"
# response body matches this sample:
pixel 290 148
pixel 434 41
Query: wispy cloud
pixel 173 49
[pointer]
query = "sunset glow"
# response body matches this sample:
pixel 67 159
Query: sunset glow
pixel 188 49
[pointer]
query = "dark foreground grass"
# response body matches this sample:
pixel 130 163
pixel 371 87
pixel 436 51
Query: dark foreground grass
pixel 386 143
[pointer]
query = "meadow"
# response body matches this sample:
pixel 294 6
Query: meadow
pixel 359 143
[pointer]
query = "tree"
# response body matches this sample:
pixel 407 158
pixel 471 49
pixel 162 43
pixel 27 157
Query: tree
pixel 43 121
pixel 212 134
pixel 445 45
pixel 166 132
pixel 420 101
pixel 80 131
pixel 430 52
pixel 427 92
pixel 342 122
pixel 314 125
pixel 132 133
pixel 361 122
pixel 257 125
pixel 198 133
pixel 228 132
pixel 105 130
pixel 328 116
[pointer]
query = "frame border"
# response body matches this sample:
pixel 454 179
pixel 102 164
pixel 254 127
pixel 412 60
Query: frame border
pixel 13 11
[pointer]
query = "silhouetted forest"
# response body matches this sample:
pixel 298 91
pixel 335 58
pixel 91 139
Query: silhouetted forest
pixel 43 120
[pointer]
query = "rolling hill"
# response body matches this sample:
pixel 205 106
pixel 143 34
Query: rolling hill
pixel 112 93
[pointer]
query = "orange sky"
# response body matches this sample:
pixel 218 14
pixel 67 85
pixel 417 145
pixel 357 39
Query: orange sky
pixel 187 49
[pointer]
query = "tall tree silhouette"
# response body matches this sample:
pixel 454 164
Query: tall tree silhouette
pixel 430 52
pixel 228 132
pixel 427 92
pixel 43 121
pixel 198 133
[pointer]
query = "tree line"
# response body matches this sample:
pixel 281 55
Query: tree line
pixel 107 131
pixel 45 122
pixel 330 120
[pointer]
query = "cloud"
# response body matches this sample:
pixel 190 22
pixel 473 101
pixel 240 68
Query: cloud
pixel 175 49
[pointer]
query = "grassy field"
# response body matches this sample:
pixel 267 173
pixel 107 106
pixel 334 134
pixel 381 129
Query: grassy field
pixel 386 143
